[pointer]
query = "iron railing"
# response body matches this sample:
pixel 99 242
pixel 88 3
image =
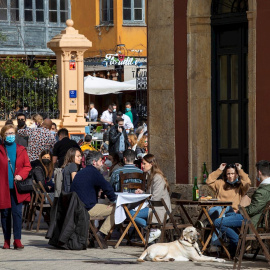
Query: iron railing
pixel 29 96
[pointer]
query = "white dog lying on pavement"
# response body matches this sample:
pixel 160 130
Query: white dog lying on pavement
pixel 184 249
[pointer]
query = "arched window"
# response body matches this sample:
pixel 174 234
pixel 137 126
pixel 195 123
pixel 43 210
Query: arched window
pixel 229 6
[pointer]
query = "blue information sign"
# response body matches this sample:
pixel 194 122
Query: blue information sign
pixel 72 93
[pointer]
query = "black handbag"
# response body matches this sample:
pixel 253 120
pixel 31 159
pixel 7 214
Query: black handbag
pixel 23 186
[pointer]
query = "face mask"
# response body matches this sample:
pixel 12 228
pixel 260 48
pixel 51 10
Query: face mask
pixel 232 183
pixel 258 179
pixel 53 132
pixel 46 161
pixel 21 123
pixel 108 163
pixel 114 110
pixel 128 109
pixel 10 139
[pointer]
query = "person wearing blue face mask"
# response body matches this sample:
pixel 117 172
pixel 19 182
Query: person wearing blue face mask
pixel 15 165
pixel 128 111
pixel 232 187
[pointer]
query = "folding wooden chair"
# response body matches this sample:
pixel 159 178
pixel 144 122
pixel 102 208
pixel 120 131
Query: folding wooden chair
pixel 168 224
pixel 248 232
pixel 93 230
pixel 40 204
pixel 131 185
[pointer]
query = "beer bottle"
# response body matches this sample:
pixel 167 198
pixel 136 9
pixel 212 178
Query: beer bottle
pixel 195 190
pixel 205 174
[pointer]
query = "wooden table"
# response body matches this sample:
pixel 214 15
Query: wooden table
pixel 204 205
pixel 123 199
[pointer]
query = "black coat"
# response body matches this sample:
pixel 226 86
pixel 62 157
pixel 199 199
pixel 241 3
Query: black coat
pixel 114 140
pixel 69 223
pixel 135 117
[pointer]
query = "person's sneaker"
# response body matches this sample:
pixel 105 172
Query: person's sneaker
pixel 213 249
pixel 154 235
pixel 102 239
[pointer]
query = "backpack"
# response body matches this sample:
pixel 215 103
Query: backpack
pixel 58 180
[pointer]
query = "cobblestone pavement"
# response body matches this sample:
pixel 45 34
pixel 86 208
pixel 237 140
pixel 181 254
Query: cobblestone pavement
pixel 37 254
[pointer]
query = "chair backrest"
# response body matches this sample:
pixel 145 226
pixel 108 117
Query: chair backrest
pixel 264 218
pixel 132 184
pixel 41 193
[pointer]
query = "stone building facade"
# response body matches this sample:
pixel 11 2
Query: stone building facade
pixel 186 47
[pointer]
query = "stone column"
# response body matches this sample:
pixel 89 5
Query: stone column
pixel 69 47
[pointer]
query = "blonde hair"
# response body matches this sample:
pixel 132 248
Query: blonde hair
pixel 149 158
pixel 5 128
pixel 133 139
pixel 141 141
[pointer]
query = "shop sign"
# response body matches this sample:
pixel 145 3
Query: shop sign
pixel 72 65
pixel 119 59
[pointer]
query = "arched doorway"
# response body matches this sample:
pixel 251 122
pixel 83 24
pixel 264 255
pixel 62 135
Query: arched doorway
pixel 229 95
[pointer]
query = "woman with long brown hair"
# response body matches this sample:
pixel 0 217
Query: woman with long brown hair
pixel 72 163
pixel 158 186
pixel 43 170
pixel 142 147
pixel 132 138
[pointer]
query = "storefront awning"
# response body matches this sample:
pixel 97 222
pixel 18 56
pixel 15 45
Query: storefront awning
pixel 99 86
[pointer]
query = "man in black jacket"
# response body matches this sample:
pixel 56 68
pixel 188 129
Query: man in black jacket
pixel 118 140
pixel 87 184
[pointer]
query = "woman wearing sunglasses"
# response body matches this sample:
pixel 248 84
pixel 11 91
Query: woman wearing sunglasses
pixel 232 187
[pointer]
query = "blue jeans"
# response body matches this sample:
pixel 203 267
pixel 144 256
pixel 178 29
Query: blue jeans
pixel 141 218
pixel 228 226
pixel 16 211
pixel 214 213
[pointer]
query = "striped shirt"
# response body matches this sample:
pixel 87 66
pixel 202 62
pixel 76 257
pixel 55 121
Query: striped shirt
pixel 128 168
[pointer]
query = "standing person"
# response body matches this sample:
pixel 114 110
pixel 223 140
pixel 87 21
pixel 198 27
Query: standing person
pixel 92 115
pixel 132 138
pixel 10 200
pixel 114 114
pixel 87 184
pixel 158 186
pixel 37 121
pixel 128 111
pixel 106 117
pixel 21 120
pixel 142 147
pixel 118 140
pixel 39 139
pixel 127 122
pixel 232 187
pixel 229 224
pixel 134 113
pixel 43 170
pixel 61 147
pixel 71 166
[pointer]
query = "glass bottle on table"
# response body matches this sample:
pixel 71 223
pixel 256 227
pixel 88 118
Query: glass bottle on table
pixel 195 191
pixel 204 174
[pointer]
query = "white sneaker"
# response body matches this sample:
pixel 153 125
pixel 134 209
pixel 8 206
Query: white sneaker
pixel 154 235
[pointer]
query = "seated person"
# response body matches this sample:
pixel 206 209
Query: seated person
pixel 87 184
pixel 261 196
pixel 129 167
pixel 116 163
pixel 232 187
pixel 158 186
pixel 87 144
pixel 42 169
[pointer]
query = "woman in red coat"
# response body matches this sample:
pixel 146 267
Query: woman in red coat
pixel 10 199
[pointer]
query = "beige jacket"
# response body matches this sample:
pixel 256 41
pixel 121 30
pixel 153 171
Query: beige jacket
pixel 233 194
pixel 158 190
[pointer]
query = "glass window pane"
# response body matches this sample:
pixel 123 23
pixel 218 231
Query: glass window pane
pixel 234 125
pixel 14 3
pixel 39 4
pixel 3 14
pixel 127 14
pixel 223 126
pixel 223 77
pixel 3 4
pixel 63 5
pixel 137 3
pixel 111 3
pixel 234 76
pixel 138 15
pixel 28 15
pixel 127 4
pixel 53 5
pixel 14 15
pixel 111 15
pixel 40 16
pixel 104 4
pixel 64 16
pixel 53 16
pixel 28 4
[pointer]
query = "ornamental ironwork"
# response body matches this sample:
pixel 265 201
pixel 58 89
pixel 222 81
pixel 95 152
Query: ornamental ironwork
pixel 229 6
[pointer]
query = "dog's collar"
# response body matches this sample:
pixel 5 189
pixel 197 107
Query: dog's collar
pixel 191 245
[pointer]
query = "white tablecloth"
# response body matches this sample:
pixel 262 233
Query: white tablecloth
pixel 126 198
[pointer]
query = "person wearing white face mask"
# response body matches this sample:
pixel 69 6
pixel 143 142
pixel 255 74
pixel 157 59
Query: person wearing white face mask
pixel 232 187
pixel 15 165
